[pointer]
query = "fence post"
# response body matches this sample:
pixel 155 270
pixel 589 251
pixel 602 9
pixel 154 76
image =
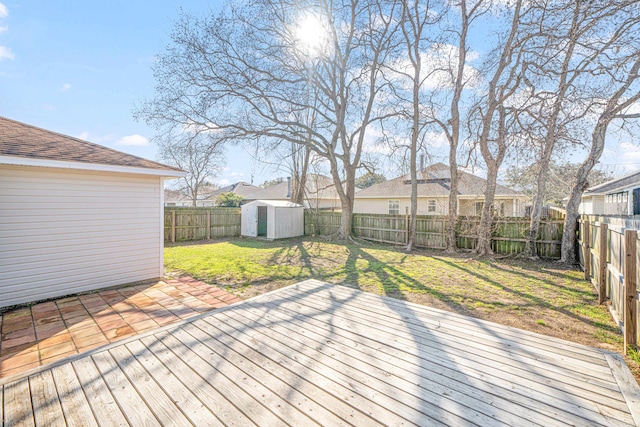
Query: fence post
pixel 209 225
pixel 586 249
pixel 173 226
pixel 602 280
pixel 630 309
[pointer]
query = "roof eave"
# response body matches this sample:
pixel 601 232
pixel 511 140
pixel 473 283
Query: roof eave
pixel 57 164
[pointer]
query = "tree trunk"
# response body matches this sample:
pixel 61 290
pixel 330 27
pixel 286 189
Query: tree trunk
pixel 346 194
pixel 414 201
pixel 415 128
pixel 485 229
pixel 536 212
pixel 567 251
pixel 451 238
pixel 298 192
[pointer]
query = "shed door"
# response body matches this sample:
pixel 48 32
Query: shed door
pixel 262 220
pixel 636 201
pixel 251 221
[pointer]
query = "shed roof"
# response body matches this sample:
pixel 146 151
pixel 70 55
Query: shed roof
pixel 433 181
pixel 22 141
pixel 275 203
pixel 630 180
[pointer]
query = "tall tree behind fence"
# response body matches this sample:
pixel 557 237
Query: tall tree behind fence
pixel 509 235
pixel 184 224
pixel 609 253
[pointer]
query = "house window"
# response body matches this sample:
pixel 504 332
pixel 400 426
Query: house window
pixel 431 205
pixel 478 208
pixel 498 209
pixel 394 207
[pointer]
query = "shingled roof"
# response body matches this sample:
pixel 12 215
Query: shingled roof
pixel 630 180
pixel 25 141
pixel 240 188
pixel 433 181
pixel 317 187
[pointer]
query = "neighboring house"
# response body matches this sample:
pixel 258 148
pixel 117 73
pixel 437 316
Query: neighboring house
pixel 241 188
pixel 394 196
pixel 320 193
pixel 616 197
pixel 173 198
pixel 75 216
pixel 207 198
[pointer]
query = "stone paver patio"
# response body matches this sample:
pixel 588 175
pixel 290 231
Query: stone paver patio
pixel 50 331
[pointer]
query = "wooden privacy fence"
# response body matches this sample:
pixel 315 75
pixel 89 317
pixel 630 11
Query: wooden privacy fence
pixel 609 254
pixel 183 224
pixel 509 234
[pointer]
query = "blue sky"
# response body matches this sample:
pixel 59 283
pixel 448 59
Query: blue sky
pixel 80 67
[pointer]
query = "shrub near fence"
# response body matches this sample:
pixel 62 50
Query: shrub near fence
pixel 509 236
pixel 183 224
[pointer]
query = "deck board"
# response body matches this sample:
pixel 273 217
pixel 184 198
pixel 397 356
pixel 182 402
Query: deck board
pixel 77 412
pixel 343 318
pixel 46 404
pixel 315 353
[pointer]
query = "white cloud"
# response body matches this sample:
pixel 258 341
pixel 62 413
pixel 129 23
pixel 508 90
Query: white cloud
pixel 4 29
pixel 236 174
pixel 223 182
pixel 4 12
pixel 627 156
pixel 5 53
pixel 133 140
pixel 84 135
pixel 65 87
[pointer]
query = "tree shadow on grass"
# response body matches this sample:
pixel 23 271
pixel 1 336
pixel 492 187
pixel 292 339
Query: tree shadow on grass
pixel 534 299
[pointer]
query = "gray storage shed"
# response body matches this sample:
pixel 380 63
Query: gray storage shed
pixel 273 219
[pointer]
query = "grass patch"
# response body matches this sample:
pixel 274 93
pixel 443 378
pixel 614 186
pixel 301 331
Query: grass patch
pixel 544 297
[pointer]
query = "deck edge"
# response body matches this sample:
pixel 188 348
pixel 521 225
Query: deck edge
pixel 629 388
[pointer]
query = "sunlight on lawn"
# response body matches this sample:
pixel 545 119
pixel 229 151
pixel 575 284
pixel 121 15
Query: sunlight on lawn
pixel 543 297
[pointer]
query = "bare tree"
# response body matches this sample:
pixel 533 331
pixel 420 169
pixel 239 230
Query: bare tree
pixel 417 16
pixel 624 80
pixel 199 155
pixel 255 71
pixel 562 66
pixel 451 125
pixel 497 112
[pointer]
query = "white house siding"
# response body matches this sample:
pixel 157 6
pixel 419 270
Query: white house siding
pixel 465 206
pixel 65 231
pixel 381 205
pixel 592 205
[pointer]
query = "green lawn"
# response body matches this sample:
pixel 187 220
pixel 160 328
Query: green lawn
pixel 543 297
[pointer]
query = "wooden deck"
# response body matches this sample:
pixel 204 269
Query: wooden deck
pixel 320 354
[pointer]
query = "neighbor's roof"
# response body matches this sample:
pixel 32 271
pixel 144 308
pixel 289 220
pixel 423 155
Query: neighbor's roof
pixel 175 196
pixel 433 181
pixel 631 180
pixel 317 187
pixel 240 188
pixel 24 144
